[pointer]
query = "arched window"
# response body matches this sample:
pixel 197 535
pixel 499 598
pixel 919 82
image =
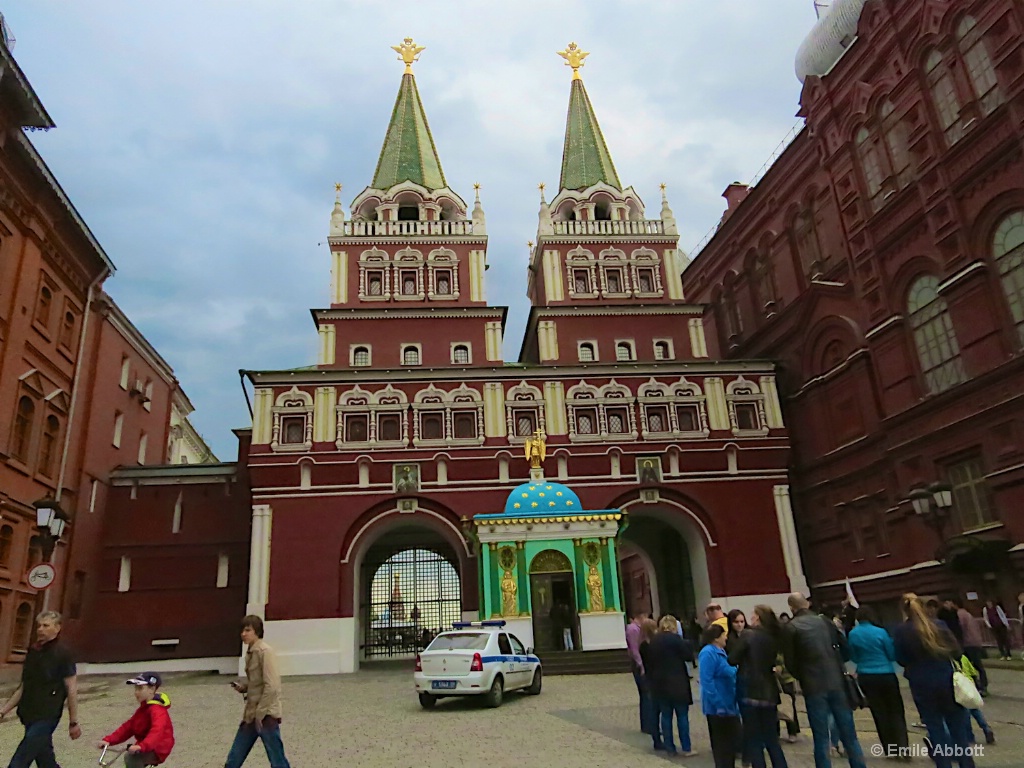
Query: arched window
pixel 624 351
pixel 6 542
pixel 460 354
pixel 361 356
pixel 21 435
pixel 67 330
pixel 871 164
pixel 733 320
pixel 662 351
pixel 22 628
pixel 947 105
pixel 978 64
pixel 48 445
pixel 934 337
pixel 764 282
pixel 587 352
pixel 43 306
pixel 896 142
pixel 411 356
pixel 805 238
pixel 1008 252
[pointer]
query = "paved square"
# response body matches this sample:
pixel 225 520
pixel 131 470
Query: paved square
pixel 373 719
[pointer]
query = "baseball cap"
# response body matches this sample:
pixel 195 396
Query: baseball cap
pixel 146 678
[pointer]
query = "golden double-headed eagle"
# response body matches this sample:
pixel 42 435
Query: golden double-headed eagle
pixel 408 52
pixel 574 56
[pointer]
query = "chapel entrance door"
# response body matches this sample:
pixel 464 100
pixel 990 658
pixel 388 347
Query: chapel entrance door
pixel 552 601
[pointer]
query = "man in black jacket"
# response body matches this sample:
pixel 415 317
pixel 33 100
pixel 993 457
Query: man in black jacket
pixel 812 647
pixel 48 679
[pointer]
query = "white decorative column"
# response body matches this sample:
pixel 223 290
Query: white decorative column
pixel 259 560
pixel 790 547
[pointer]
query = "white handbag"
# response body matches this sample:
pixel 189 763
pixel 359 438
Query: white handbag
pixel 965 691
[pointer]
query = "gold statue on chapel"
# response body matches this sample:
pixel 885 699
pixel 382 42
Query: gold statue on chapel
pixel 535 448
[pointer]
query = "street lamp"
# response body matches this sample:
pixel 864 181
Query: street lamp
pixel 51 521
pixel 933 505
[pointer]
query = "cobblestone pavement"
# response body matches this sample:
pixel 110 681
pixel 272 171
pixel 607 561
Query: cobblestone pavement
pixel 373 719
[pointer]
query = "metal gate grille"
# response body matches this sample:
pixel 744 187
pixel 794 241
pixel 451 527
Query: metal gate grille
pixel 414 594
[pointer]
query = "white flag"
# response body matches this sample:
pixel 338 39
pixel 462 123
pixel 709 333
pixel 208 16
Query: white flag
pixel 849 594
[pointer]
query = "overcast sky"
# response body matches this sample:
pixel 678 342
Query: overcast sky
pixel 201 140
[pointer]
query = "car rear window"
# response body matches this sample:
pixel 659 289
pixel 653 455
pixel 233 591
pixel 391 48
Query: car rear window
pixel 469 641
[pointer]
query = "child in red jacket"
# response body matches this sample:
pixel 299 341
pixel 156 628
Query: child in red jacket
pixel 150 725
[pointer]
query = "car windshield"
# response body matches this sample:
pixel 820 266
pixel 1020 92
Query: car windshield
pixel 455 641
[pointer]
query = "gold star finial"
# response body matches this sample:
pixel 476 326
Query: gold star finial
pixel 574 56
pixel 529 244
pixel 662 186
pixel 408 52
pixel 337 191
pixel 541 188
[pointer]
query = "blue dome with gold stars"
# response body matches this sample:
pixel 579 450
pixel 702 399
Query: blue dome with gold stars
pixel 540 498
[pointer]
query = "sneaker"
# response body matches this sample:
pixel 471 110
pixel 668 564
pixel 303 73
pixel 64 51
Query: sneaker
pixel 691 753
pixel 990 736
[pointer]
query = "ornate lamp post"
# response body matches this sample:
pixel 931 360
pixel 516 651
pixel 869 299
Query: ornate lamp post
pixel 933 505
pixel 51 521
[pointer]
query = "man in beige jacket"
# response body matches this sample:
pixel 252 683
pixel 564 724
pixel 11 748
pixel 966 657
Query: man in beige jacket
pixel 261 718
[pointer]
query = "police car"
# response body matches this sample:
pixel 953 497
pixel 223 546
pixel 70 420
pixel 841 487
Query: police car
pixel 476 658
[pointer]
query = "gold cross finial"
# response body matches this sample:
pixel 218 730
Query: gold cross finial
pixel 408 52
pixel 574 56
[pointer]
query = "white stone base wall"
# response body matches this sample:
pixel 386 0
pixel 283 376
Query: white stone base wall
pixel 313 646
pixel 746 603
pixel 222 665
pixel 602 631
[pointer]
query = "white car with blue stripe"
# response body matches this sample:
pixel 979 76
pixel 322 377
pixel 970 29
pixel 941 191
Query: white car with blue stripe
pixel 476 658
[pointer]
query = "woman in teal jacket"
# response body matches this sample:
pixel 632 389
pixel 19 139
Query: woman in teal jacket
pixel 872 650
pixel 718 697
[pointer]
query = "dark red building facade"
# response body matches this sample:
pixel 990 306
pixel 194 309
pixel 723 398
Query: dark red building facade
pixel 880 261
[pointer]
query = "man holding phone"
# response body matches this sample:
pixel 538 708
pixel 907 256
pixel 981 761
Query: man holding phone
pixel 261 718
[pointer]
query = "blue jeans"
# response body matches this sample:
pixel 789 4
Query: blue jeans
pixel 819 708
pixel 979 718
pixel 648 717
pixel 246 737
pixel 760 734
pixel 947 722
pixel 37 744
pixel 666 708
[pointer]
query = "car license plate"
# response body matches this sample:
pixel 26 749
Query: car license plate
pixel 446 685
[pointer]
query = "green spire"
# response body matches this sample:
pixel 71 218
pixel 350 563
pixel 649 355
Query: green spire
pixel 585 157
pixel 408 153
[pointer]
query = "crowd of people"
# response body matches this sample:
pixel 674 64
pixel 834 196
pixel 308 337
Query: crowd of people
pixel 49 682
pixel 838 662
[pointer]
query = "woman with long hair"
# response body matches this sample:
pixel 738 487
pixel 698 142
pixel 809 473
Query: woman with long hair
pixel 754 652
pixel 718 697
pixel 872 650
pixel 926 650
pixel 737 624
pixel 666 655
pixel 648 629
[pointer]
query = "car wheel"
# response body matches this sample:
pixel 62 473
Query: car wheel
pixel 427 701
pixel 497 692
pixel 534 688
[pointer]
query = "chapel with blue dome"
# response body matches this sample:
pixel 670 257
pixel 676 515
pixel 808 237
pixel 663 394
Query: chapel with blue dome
pixel 549 567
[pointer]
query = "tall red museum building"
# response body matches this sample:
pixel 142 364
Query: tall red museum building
pixel 880 261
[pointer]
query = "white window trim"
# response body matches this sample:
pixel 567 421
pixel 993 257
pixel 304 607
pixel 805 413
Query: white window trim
pixel 671 350
pixel 372 260
pixel 535 403
pixel 352 355
pixel 469 348
pixel 442 258
pixel 294 402
pixel 643 258
pixel 680 393
pixel 755 398
pixel 632 350
pixel 360 402
pixel 118 429
pixel 593 343
pixel 124 576
pixel 126 369
pixel 412 260
pixel 143 444
pixel 403 346
pixel 608 396
pixel 148 392
pixel 223 570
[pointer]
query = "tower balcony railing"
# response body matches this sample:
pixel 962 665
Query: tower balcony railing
pixel 391 228
pixel 624 227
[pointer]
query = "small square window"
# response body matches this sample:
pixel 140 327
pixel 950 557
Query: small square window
pixel 460 354
pixel 465 425
pixel 586 421
pixel 356 428
pixel 361 356
pixel 624 351
pixel 375 282
pixel 293 430
pixel 688 418
pixel 443 282
pixel 657 419
pixel 746 416
pixel 389 427
pixel 432 425
pixel 525 421
pixel 618 421
pixel 410 356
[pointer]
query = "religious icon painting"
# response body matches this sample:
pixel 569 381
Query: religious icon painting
pixel 406 478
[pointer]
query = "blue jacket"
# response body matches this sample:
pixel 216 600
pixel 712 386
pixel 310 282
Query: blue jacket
pixel 717 682
pixel 871 649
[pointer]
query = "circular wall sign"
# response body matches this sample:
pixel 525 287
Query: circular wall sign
pixel 42 576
